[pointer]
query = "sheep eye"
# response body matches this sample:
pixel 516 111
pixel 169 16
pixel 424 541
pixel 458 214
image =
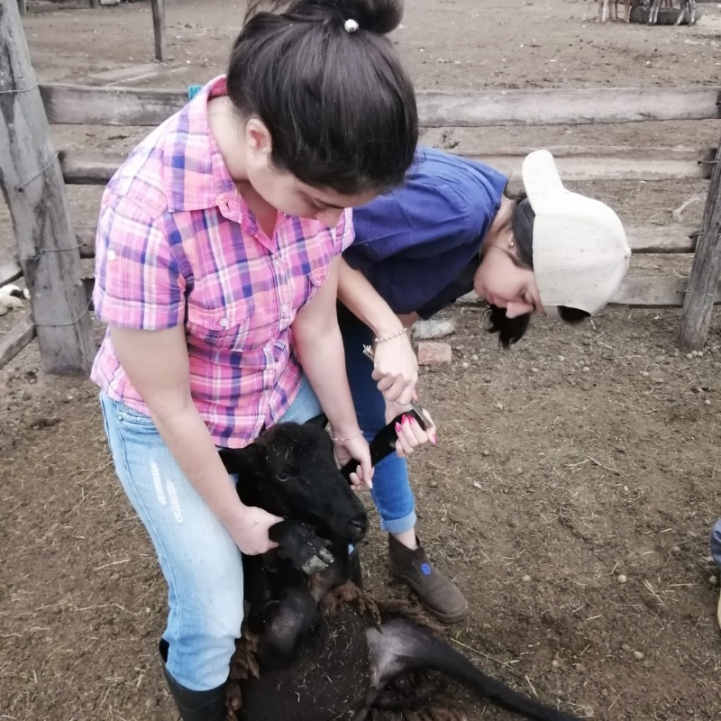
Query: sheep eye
pixel 283 476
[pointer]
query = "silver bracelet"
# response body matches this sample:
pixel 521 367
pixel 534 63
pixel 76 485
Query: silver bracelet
pixel 391 337
pixel 335 439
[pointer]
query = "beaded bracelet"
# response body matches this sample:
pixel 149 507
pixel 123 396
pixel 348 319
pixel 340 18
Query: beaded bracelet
pixel 391 337
pixel 343 440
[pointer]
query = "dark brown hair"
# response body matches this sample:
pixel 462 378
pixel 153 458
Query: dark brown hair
pixel 340 109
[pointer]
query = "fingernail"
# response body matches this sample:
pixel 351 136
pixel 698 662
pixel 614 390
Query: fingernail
pixel 398 427
pixel 434 438
pixel 406 419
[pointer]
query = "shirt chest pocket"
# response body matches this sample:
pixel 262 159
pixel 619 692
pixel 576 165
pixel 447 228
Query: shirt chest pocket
pixel 229 327
pixel 314 279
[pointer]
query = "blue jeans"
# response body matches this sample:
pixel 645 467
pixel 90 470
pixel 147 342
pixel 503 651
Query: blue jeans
pixel 199 560
pixel 716 542
pixel 391 488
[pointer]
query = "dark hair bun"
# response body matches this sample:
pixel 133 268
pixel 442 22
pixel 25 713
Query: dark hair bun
pixel 376 16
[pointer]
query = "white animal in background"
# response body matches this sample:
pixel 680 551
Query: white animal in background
pixel 604 9
pixel 11 297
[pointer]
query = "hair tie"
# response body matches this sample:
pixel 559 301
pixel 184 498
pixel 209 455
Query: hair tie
pixel 350 25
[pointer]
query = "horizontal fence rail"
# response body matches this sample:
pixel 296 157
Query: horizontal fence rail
pixel 568 107
pixel 639 293
pixel 575 163
pixel 634 292
pixel 657 292
pixel 642 239
pixel 88 105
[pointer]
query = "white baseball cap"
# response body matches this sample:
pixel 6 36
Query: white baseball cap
pixel 580 251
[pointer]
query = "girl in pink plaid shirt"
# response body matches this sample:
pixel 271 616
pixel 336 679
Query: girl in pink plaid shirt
pixel 217 261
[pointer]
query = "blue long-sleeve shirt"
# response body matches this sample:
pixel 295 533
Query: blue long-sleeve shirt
pixel 418 245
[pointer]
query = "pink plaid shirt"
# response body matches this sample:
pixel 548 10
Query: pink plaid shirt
pixel 177 244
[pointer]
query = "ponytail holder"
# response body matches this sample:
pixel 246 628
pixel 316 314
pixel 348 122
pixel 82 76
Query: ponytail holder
pixel 350 26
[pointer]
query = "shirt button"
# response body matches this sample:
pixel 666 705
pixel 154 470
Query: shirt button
pixel 284 309
pixel 224 322
pixel 111 255
pixel 266 347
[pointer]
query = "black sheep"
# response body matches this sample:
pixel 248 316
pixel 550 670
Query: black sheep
pixel 296 663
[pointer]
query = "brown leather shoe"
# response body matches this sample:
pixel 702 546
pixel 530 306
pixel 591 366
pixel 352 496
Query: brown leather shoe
pixel 438 594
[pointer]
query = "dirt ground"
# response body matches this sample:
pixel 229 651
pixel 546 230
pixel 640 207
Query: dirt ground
pixel 574 485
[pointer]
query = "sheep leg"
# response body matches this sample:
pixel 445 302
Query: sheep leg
pixel 403 646
pixel 295 614
pixel 257 591
pixel 296 606
pixel 305 550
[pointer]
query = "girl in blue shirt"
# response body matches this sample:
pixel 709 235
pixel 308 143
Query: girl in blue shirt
pixel 448 230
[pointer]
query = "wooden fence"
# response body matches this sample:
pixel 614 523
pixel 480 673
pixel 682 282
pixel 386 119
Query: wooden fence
pixel 157 8
pixel 33 178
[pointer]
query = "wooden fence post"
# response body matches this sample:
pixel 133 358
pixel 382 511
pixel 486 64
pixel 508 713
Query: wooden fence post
pixel 698 303
pixel 158 7
pixel 32 183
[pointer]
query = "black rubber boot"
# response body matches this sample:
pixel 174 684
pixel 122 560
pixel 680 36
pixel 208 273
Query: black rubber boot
pixel 194 705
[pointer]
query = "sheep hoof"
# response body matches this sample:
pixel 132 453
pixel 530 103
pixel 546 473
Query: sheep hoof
pixel 306 551
pixel 318 563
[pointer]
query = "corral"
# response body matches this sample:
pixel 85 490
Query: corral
pixel 578 457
